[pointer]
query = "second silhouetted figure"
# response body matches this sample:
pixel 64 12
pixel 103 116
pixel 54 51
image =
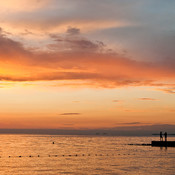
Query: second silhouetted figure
pixel 165 134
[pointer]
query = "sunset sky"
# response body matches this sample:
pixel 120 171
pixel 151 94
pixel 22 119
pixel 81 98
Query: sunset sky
pixel 77 64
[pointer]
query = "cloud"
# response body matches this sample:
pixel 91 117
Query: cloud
pixel 170 90
pixel 75 57
pixel 49 15
pixel 70 113
pixel 27 32
pixel 138 30
pixel 133 123
pixel 11 50
pixel 73 31
pixel 75 42
pixel 147 99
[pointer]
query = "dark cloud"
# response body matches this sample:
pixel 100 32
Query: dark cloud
pixel 73 31
pixel 82 44
pixel 12 50
pixel 132 123
pixel 75 42
pixel 53 76
pixel 27 32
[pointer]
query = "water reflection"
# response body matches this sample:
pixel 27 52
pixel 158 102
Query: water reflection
pixel 26 154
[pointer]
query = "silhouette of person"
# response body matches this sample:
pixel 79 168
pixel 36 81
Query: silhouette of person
pixel 161 137
pixel 165 134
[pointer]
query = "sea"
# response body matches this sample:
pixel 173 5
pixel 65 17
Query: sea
pixel 83 155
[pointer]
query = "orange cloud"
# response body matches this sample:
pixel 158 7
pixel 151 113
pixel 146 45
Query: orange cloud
pixel 147 99
pixel 79 59
pixel 170 90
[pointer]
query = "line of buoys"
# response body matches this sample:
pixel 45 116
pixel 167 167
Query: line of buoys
pixel 71 155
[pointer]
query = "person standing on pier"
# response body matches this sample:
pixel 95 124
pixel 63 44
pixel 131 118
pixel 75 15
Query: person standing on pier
pixel 165 134
pixel 161 137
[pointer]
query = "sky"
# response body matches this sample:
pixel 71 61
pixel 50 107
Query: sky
pixel 96 64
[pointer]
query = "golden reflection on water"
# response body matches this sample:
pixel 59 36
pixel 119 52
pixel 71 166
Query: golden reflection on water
pixel 31 154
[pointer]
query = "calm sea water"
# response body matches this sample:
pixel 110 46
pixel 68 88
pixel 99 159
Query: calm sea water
pixel 81 155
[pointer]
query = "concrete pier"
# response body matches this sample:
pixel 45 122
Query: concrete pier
pixel 163 143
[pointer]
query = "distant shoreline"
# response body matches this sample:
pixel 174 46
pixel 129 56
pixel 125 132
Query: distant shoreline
pixel 92 132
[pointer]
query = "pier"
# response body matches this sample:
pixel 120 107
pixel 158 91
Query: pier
pixel 157 144
pixel 163 143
